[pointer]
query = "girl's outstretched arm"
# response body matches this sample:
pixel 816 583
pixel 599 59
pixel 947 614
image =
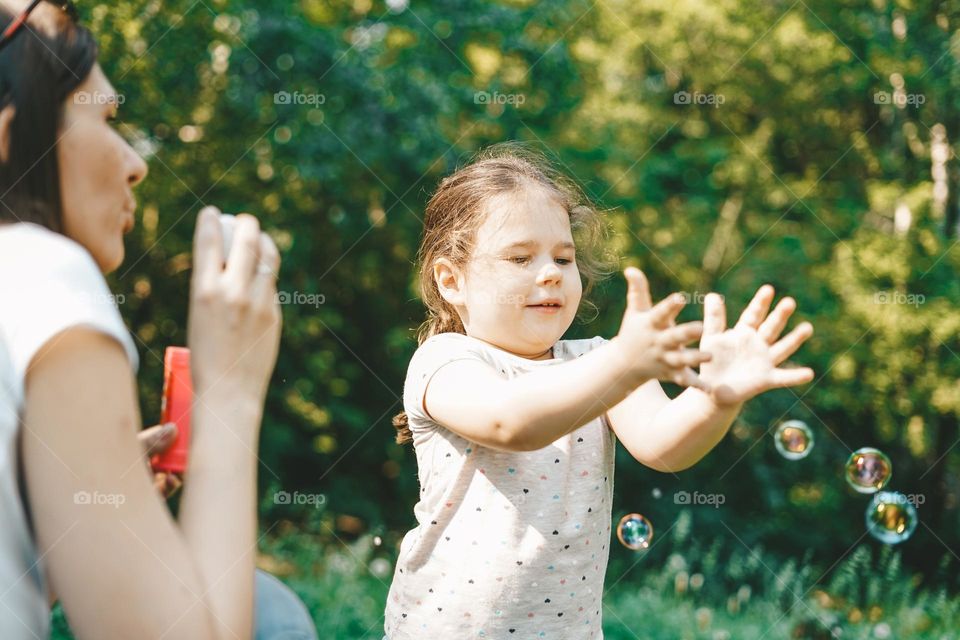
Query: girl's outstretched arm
pixel 470 398
pixel 527 413
pixel 672 435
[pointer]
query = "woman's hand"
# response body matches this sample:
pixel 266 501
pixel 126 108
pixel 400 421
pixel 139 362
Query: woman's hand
pixel 652 339
pixel 234 319
pixel 155 440
pixel 746 358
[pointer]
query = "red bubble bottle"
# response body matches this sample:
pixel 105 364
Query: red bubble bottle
pixel 176 407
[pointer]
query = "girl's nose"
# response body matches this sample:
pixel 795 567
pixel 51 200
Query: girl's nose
pixel 550 274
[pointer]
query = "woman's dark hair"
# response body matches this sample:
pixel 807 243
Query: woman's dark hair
pixel 42 65
pixel 458 208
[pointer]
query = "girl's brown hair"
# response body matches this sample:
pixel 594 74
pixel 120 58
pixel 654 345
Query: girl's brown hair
pixel 457 209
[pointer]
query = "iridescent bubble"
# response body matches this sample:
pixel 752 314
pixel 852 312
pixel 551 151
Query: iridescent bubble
pixel 891 517
pixel 868 470
pixel 634 531
pixel 794 439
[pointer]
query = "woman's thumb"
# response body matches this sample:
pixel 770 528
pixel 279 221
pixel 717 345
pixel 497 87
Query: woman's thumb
pixel 157 439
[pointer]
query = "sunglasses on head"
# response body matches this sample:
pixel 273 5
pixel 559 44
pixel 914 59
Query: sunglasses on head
pixel 16 26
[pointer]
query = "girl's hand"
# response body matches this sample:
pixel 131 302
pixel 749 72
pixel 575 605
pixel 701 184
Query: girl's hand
pixel 746 358
pixel 651 338
pixel 155 440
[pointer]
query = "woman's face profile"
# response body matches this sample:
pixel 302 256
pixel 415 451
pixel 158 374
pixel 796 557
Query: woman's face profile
pixel 98 171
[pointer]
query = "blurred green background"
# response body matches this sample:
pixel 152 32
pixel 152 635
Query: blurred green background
pixel 807 144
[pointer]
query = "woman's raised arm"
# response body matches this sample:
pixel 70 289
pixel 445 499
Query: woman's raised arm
pixel 123 568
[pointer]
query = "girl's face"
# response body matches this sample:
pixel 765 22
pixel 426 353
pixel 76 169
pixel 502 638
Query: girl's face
pixel 98 171
pixel 521 289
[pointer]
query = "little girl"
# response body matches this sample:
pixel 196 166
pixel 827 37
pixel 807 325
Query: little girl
pixel 514 428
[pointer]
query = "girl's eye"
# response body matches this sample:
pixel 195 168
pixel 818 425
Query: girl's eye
pixel 564 261
pixel 520 259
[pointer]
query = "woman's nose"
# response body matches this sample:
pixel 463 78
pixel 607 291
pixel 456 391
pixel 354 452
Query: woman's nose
pixel 137 169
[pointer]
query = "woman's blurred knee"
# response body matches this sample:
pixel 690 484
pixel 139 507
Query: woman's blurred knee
pixel 280 614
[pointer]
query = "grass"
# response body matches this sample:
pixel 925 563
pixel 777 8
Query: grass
pixel 681 589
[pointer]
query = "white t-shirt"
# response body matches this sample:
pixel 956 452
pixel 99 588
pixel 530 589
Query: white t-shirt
pixel 48 283
pixel 509 544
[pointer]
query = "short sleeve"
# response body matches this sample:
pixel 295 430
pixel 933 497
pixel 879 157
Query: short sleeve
pixel 577 348
pixel 433 354
pixel 48 284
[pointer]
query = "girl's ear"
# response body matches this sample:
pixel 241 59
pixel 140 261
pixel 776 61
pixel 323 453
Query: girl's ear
pixel 450 281
pixel 6 117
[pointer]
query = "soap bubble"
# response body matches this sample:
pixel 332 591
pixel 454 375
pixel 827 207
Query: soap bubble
pixel 794 439
pixel 634 531
pixel 891 518
pixel 868 470
pixel 380 567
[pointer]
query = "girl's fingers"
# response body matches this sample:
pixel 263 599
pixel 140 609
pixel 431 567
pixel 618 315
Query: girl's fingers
pixel 686 358
pixel 773 326
pixel 689 378
pixel 791 377
pixel 756 311
pixel 207 247
pixel 667 310
pixel 638 290
pixel 714 315
pixel 676 337
pixel 788 344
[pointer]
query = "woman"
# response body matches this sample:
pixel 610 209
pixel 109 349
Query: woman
pixel 76 506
